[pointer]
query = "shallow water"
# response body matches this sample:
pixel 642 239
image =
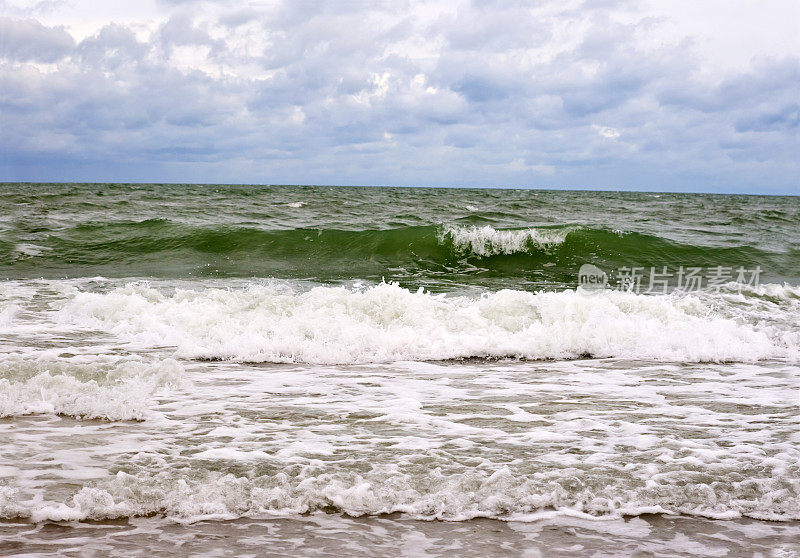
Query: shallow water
pixel 434 440
pixel 336 535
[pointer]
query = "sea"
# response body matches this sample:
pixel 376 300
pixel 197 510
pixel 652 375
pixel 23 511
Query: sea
pixel 253 370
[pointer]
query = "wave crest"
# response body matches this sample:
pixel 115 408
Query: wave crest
pixel 384 323
pixel 488 241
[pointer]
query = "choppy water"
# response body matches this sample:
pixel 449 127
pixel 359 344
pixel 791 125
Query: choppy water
pixel 182 354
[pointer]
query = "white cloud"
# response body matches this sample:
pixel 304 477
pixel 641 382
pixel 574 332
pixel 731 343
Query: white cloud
pixel 606 131
pixel 519 165
pixel 438 92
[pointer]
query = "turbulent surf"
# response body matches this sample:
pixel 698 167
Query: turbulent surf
pixel 188 353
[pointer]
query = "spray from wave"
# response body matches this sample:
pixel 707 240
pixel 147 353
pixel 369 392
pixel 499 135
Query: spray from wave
pixel 488 241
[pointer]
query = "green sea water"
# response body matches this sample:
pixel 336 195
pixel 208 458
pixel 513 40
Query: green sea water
pixel 435 238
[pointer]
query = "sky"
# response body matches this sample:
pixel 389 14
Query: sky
pixel 603 94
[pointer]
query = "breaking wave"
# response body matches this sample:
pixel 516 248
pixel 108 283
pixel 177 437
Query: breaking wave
pixel 502 494
pixel 86 387
pixel 488 241
pixel 275 322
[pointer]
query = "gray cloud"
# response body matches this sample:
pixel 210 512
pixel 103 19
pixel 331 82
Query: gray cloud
pixel 28 40
pixel 490 94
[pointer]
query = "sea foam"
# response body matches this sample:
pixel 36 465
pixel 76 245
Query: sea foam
pixel 89 387
pixel 275 322
pixel 455 497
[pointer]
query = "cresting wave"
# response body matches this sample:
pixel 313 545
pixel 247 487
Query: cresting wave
pixel 488 241
pixel 161 248
pixel 90 243
pixel 275 322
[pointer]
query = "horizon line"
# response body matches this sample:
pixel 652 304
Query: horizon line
pixel 430 187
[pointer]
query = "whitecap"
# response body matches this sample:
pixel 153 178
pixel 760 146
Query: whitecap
pixel 488 241
pixel 387 323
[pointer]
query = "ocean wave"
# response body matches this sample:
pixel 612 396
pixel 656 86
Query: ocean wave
pixel 488 241
pixel 275 322
pixel 425 254
pixel 87 387
pixel 499 494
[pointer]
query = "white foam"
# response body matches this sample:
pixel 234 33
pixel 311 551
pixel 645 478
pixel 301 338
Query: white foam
pixel 29 250
pixel 8 312
pixel 384 323
pixel 510 440
pixel 488 241
pixel 457 497
pixel 110 388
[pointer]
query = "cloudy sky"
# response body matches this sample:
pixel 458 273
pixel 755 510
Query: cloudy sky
pixel 651 95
